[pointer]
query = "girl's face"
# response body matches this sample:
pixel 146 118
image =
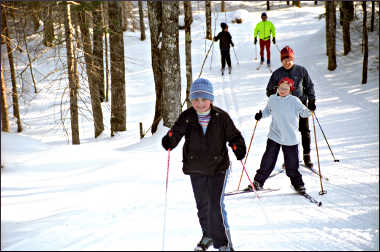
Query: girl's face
pixel 201 105
pixel 284 89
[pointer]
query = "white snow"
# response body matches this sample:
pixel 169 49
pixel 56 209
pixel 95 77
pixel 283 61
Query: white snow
pixel 109 193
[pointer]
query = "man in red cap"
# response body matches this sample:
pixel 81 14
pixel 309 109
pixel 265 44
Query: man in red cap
pixel 303 89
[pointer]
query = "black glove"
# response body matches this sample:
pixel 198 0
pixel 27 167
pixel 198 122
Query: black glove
pixel 232 44
pixel 258 115
pixel 239 152
pixel 166 141
pixel 311 105
pixel 274 40
pixel 255 41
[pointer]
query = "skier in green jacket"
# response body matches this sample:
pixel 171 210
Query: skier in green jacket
pixel 264 28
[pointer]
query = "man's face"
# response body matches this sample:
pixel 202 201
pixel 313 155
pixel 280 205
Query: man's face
pixel 287 63
pixel 264 18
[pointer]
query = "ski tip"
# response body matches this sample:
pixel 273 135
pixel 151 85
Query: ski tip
pixel 319 203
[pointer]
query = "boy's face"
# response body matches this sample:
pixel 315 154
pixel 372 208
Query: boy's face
pixel 284 89
pixel 287 63
pixel 201 105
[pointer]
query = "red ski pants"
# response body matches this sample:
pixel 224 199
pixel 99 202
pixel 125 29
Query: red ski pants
pixel 266 44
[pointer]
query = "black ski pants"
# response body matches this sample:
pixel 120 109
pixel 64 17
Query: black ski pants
pixel 269 160
pixel 225 53
pixel 209 196
pixel 303 127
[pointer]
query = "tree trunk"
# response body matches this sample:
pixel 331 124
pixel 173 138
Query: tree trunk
pixel 331 45
pixel 73 79
pixel 346 17
pixel 208 19
pixel 106 58
pixel 287 2
pixel 297 3
pixel 16 112
pixel 98 64
pixel 155 26
pixel 88 56
pixel 118 103
pixel 49 27
pixel 171 74
pixel 365 43
pixel 315 2
pixel 189 70
pixel 222 7
pixel 4 107
pixel 327 19
pixel 373 16
pixel 268 6
pixel 142 25
pixel 124 15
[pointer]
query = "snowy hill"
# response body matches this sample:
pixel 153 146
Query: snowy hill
pixel 109 193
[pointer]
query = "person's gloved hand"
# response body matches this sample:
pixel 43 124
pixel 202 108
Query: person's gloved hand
pixel 232 44
pixel 166 141
pixel 239 152
pixel 311 105
pixel 258 115
pixel 274 40
pixel 255 41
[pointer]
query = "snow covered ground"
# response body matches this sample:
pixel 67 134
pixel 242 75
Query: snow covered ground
pixel 109 193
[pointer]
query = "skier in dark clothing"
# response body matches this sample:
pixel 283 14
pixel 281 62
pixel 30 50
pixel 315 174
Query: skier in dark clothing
pixel 303 89
pixel 225 41
pixel 207 129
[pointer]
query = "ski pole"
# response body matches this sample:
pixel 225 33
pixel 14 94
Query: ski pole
pixel 235 55
pixel 335 160
pixel 278 48
pixel 166 201
pixel 250 181
pixel 319 166
pixel 249 147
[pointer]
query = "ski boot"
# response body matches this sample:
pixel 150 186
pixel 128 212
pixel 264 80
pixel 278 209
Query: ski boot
pixel 229 69
pixel 307 161
pixel 257 186
pixel 225 248
pixel 203 244
pixel 300 189
pixel 222 71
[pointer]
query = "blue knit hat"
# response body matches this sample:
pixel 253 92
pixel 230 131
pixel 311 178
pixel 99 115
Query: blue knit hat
pixel 201 88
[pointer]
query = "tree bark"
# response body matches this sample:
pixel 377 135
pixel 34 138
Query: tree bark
pixel 98 63
pixel 189 69
pixel 297 3
pixel 171 74
pixel 142 25
pixel 373 16
pixel 331 44
pixel 4 107
pixel 118 102
pixel 346 17
pixel 222 7
pixel 73 78
pixel 88 56
pixel 49 27
pixel 365 44
pixel 327 19
pixel 106 58
pixel 268 6
pixel 124 15
pixel 155 26
pixel 16 111
pixel 208 19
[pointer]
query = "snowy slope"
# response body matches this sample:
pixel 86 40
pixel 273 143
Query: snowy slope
pixel 109 193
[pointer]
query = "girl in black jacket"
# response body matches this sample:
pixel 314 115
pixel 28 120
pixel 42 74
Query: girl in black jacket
pixel 225 41
pixel 207 129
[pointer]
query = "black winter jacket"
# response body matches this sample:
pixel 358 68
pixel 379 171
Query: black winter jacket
pixel 303 86
pixel 205 154
pixel 225 40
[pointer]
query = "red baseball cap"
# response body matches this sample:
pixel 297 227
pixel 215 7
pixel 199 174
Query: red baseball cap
pixel 287 52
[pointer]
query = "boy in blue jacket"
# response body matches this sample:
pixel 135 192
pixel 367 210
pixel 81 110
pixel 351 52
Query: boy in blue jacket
pixel 285 110
pixel 207 129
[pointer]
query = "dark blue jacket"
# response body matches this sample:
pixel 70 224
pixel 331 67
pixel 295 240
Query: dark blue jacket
pixel 205 154
pixel 225 40
pixel 303 86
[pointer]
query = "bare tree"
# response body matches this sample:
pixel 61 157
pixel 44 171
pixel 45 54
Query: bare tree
pixel 48 25
pixel 331 34
pixel 372 16
pixel 4 106
pixel 124 15
pixel 208 19
pixel 155 26
pixel 16 111
pixel 268 6
pixel 189 69
pixel 222 6
pixel 142 25
pixel 98 64
pixel 346 16
pixel 84 20
pixel 171 74
pixel 365 44
pixel 73 78
pixel 297 3
pixel 118 102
